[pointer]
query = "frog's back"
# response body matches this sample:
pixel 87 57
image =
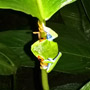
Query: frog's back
pixel 46 49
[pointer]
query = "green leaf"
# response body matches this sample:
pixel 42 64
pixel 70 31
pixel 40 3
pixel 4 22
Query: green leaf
pixel 7 59
pixel 86 86
pixel 12 54
pixel 42 9
pixel 16 41
pixel 73 42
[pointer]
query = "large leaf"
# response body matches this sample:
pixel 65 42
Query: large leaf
pixel 16 41
pixel 12 54
pixel 75 49
pixel 7 59
pixel 42 9
pixel 73 42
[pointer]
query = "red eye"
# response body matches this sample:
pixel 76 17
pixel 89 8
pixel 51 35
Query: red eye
pixel 40 58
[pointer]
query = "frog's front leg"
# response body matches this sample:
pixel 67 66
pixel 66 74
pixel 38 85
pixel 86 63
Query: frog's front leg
pixel 39 36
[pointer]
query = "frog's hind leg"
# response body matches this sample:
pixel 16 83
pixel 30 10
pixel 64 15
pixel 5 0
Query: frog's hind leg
pixel 52 65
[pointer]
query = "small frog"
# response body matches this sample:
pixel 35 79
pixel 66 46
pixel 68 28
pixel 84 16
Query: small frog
pixel 45 32
pixel 45 49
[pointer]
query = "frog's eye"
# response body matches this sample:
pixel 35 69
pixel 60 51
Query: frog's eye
pixel 40 58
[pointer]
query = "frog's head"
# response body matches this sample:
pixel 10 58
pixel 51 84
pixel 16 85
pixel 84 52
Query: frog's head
pixel 40 58
pixel 42 64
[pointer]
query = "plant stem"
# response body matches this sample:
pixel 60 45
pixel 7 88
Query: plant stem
pixel 44 75
pixel 44 79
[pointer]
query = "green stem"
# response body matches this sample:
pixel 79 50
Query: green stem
pixel 44 76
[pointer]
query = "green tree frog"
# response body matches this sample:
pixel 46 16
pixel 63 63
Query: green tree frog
pixel 46 50
pixel 45 32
